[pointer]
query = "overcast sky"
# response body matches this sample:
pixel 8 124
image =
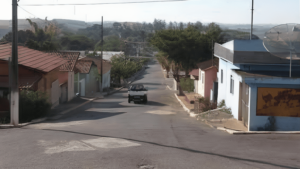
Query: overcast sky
pixel 222 11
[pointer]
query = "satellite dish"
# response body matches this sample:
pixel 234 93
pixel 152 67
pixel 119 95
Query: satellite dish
pixel 284 41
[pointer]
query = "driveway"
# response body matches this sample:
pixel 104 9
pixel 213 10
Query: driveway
pixel 110 133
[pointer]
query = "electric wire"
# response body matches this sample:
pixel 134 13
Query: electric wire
pixel 108 3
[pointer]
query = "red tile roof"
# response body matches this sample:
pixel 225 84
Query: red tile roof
pixel 206 64
pixel 106 64
pixel 83 66
pixel 34 59
pixel 211 68
pixel 71 57
pixel 194 72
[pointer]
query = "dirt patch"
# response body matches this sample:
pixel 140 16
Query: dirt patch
pixel 222 119
pixel 216 115
pixel 191 96
pixel 186 103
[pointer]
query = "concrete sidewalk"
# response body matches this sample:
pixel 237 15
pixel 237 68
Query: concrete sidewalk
pixel 56 112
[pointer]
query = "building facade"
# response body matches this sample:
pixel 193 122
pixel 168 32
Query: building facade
pixel 257 87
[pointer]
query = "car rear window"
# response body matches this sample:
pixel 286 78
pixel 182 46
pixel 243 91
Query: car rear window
pixel 137 88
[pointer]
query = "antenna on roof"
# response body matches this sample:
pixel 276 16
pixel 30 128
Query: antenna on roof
pixel 284 41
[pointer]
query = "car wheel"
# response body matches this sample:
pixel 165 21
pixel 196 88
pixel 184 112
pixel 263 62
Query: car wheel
pixel 146 100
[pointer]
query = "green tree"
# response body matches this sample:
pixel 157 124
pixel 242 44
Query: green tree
pixel 124 66
pixel 184 47
pixel 76 42
pixel 111 43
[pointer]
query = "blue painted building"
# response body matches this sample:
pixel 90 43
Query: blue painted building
pixel 256 86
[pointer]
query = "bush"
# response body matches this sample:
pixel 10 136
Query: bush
pixel 225 109
pixel 33 105
pixel 187 84
pixel 221 104
pixel 206 104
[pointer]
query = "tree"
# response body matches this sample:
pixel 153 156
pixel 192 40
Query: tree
pixel 76 42
pixel 111 43
pixel 43 37
pixel 124 67
pixel 163 60
pixel 185 47
pixel 159 24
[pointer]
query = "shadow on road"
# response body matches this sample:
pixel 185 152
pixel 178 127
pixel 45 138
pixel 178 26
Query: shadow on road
pixel 183 148
pixel 88 115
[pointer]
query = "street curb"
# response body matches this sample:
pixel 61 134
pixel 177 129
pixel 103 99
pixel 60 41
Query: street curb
pixel 169 87
pixel 184 107
pixel 7 126
pixel 256 132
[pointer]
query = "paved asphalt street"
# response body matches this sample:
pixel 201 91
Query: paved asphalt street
pixel 110 133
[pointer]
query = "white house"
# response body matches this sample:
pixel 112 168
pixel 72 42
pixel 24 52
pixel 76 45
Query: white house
pixel 204 77
pixel 256 85
pixel 88 72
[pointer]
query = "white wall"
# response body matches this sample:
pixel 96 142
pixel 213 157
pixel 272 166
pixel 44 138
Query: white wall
pixel 231 100
pixel 201 86
pixel 106 80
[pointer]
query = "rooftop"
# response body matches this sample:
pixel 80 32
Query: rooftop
pixel 106 64
pixel 248 52
pixel 34 59
pixel 83 66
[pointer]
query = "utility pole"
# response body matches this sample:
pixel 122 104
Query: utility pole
pixel 14 72
pixel 102 56
pixel 251 32
pixel 212 52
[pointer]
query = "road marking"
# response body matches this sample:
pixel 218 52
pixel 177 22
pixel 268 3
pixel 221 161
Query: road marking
pixel 105 142
pixel 52 147
pixel 58 124
pixel 67 147
pixel 160 112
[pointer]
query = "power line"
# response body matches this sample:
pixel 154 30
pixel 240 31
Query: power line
pixel 28 12
pixel 103 3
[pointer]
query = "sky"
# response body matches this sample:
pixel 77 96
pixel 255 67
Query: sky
pixel 220 11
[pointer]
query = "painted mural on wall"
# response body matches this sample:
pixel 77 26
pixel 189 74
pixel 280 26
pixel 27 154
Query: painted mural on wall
pixel 278 102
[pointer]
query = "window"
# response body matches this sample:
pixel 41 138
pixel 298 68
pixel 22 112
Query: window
pixel 231 85
pixel 221 75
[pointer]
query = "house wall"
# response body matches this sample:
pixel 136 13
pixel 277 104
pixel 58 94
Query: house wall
pixel 201 84
pixel 196 85
pixel 210 77
pixel 106 80
pixel 55 93
pixel 46 84
pixel 64 93
pixel 231 100
pixel 71 93
pixel 282 123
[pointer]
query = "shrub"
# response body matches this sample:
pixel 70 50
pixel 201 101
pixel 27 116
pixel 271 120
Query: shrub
pixel 187 84
pixel 221 104
pixel 33 105
pixel 225 109
pixel 206 104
